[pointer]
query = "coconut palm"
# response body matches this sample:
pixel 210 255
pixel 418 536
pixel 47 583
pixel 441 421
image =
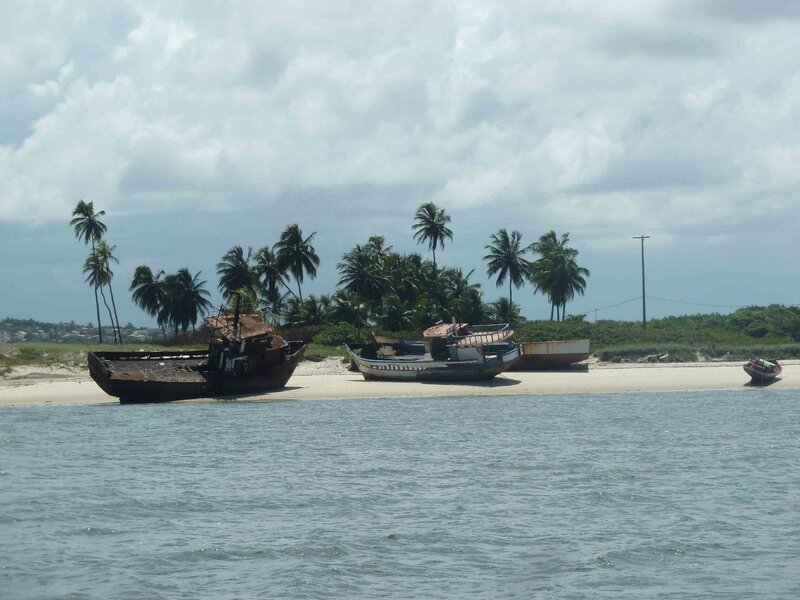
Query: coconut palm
pixel 504 311
pixel 106 254
pixel 97 276
pixel 270 277
pixel 243 300
pixel 431 227
pixel 464 300
pixel 361 273
pixel 557 272
pixel 347 307
pixel 393 315
pixel 295 255
pixel 88 227
pixel 315 311
pixel 147 291
pixel 406 275
pixel 236 272
pixel 506 258
pixel 185 300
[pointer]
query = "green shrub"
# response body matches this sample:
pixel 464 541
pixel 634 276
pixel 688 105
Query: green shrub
pixel 342 333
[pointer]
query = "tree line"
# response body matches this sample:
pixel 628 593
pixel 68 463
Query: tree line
pixel 377 286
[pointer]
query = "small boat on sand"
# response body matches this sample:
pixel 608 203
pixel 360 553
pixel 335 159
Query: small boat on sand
pixel 762 370
pixel 244 356
pixel 457 353
pixel 552 354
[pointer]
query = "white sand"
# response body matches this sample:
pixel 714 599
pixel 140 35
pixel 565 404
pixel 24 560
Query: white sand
pixel 329 379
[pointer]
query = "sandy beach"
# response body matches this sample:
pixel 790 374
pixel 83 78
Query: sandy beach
pixel 330 379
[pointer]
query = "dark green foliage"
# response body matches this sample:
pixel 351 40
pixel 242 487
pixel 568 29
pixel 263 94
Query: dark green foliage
pixel 773 321
pixel 541 331
pixel 342 333
pixel 752 331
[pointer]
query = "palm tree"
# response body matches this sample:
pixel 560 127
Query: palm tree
pixel 464 300
pixel 557 273
pixel 96 275
pixel 506 259
pixel 504 311
pixel 270 277
pixel 89 228
pixel 361 274
pixel 185 300
pixel 315 311
pixel 393 315
pixel 236 272
pixel 347 307
pixel 406 275
pixel 148 292
pixel 295 254
pixel 106 254
pixel 431 227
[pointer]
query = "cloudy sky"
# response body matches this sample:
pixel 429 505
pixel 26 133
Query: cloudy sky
pixel 197 126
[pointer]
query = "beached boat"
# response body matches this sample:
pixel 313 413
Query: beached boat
pixel 762 370
pixel 456 354
pixel 553 354
pixel 244 356
pixel 395 346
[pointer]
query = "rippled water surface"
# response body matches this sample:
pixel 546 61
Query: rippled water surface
pixel 690 495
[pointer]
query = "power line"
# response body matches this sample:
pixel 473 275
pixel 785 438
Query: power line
pixel 618 304
pixel 695 303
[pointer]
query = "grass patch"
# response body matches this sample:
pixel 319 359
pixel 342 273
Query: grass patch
pixel 72 356
pixel 319 352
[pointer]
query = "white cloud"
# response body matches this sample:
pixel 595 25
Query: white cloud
pixel 571 103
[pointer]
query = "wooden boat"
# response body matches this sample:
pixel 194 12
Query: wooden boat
pixel 450 358
pixel 553 354
pixel 762 370
pixel 244 356
pixel 395 346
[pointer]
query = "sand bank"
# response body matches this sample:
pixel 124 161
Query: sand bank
pixel 329 380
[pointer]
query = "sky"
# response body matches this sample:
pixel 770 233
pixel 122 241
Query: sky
pixel 198 126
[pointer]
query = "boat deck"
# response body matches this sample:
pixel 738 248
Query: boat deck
pixel 177 370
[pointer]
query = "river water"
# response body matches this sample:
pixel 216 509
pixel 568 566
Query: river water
pixel 658 495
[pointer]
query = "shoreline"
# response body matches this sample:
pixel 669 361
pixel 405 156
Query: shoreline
pixel 330 380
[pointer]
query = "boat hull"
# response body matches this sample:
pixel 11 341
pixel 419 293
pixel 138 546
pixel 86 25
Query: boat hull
pixel 167 376
pixel 759 375
pixel 554 354
pixel 429 370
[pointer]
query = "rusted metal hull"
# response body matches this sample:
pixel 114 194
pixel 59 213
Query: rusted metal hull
pixel 139 377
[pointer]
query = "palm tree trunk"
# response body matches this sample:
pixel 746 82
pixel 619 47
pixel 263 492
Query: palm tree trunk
pixel 97 308
pixel 510 303
pixel 110 316
pixel 114 306
pixel 552 309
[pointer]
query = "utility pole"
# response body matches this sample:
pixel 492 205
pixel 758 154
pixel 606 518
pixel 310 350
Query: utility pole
pixel 644 297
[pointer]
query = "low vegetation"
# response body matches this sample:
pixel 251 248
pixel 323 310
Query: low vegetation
pixel 771 331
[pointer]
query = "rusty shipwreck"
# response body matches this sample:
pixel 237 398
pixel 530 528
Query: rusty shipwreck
pixel 244 356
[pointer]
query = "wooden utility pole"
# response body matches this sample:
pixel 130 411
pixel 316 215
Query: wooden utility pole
pixel 644 297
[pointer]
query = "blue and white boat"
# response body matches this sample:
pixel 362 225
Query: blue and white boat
pixel 457 353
